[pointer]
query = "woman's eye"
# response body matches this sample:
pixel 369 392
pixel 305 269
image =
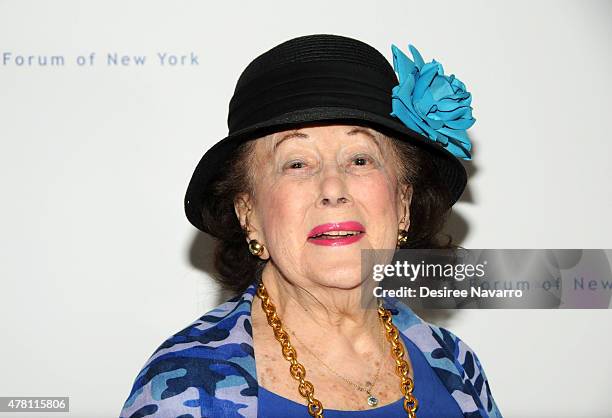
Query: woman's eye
pixel 295 165
pixel 362 160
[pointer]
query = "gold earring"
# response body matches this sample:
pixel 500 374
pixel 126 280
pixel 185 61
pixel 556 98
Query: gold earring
pixel 402 237
pixel 255 247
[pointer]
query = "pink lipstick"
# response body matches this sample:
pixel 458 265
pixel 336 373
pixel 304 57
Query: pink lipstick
pixel 336 233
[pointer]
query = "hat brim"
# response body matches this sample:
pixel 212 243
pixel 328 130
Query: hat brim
pixel 213 161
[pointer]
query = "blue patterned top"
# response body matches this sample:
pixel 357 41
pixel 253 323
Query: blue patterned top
pixel 207 369
pixel 434 400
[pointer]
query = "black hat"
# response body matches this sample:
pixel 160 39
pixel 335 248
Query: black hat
pixel 315 78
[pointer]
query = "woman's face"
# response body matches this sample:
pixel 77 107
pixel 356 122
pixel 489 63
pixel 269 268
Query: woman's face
pixel 311 179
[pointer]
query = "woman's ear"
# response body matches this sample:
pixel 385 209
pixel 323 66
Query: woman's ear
pixel 243 207
pixel 405 198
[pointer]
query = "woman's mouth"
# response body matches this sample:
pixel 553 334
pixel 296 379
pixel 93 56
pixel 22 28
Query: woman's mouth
pixel 336 233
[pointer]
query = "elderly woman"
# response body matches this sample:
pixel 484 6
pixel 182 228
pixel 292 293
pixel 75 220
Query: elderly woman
pixel 327 155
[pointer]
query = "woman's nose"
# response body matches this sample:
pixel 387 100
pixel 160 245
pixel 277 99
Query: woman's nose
pixel 326 201
pixel 334 191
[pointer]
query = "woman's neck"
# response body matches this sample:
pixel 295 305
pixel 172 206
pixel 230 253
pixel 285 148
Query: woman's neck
pixel 343 316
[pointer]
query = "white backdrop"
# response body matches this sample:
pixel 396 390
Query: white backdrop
pixel 99 265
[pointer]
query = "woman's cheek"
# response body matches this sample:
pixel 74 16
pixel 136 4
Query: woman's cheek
pixel 283 211
pixel 376 191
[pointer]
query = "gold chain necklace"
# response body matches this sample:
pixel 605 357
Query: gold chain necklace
pixel 369 387
pixel 298 372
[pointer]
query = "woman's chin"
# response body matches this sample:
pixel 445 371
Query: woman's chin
pixel 342 283
pixel 337 275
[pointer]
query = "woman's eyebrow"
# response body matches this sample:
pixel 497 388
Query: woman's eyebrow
pixel 364 131
pixel 353 131
pixel 292 134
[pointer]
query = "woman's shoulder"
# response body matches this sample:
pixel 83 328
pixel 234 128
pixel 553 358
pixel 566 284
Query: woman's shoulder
pixel 453 360
pixel 190 371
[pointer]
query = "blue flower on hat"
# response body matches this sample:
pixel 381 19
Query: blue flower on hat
pixel 431 103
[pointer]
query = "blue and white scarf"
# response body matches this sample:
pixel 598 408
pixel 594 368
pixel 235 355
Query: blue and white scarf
pixel 207 370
